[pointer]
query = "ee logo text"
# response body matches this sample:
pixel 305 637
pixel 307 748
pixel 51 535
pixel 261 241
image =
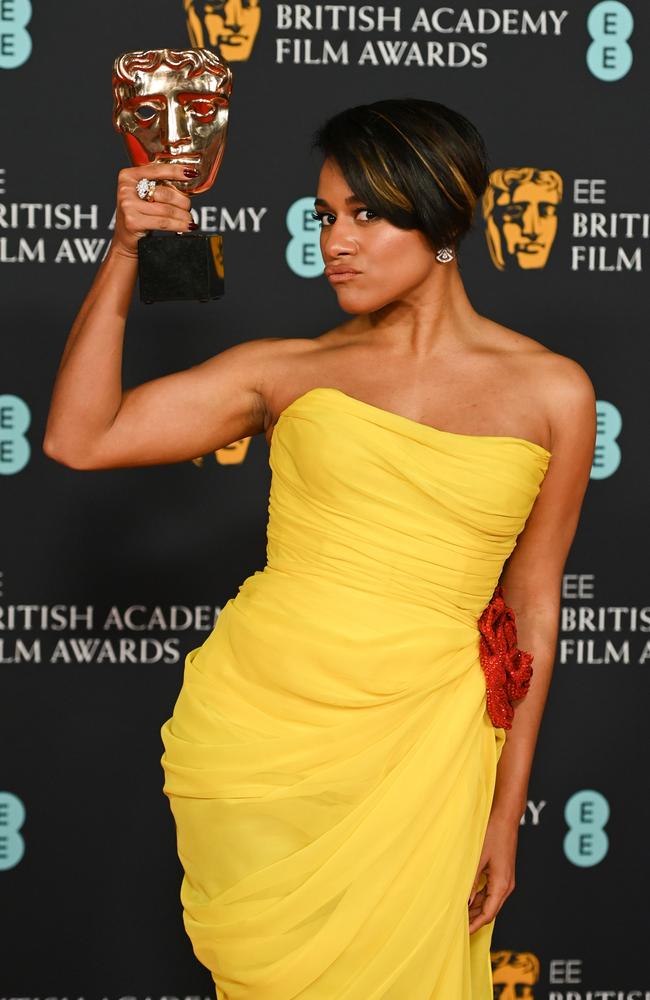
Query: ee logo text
pixel 15 418
pixel 15 40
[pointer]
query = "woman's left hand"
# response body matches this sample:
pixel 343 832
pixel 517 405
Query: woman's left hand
pixel 495 875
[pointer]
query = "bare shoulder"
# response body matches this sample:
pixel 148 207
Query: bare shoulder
pixel 570 399
pixel 293 361
pixel 256 364
pixel 270 349
pixel 270 370
pixel 557 383
pixel 286 349
pixel 566 382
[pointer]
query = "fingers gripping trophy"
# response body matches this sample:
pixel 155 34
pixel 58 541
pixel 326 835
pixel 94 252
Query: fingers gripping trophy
pixel 171 106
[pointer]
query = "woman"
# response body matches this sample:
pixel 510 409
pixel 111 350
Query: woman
pixel 346 798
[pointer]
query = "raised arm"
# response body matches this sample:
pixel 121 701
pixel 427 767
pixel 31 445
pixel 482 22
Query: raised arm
pixel 93 423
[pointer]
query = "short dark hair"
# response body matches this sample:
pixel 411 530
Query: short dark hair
pixel 417 163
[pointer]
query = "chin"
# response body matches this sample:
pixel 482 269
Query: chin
pixel 359 305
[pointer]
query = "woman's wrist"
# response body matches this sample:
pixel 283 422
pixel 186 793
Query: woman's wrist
pixel 508 813
pixel 119 252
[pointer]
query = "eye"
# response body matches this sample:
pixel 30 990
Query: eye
pixel 146 113
pixel 319 216
pixel 371 212
pixel 203 108
pixel 513 212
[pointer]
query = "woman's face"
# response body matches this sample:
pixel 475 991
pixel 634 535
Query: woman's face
pixel 391 263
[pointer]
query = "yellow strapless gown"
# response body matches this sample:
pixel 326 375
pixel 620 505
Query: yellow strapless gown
pixel 330 763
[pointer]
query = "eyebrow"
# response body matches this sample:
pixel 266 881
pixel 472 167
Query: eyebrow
pixel 348 201
pixel 137 99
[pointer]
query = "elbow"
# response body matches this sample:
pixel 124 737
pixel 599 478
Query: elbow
pixel 66 456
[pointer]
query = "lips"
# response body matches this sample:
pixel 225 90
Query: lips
pixel 341 277
pixel 332 270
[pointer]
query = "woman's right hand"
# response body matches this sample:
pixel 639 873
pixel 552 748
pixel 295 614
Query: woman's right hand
pixel 135 217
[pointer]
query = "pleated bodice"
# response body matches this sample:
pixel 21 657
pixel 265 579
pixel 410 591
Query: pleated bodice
pixel 425 516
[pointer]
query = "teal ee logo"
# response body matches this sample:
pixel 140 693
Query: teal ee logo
pixel 586 814
pixel 607 453
pixel 15 41
pixel 12 817
pixel 303 250
pixel 610 24
pixel 14 421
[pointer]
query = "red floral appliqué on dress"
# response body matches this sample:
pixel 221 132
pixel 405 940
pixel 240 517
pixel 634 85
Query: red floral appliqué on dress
pixel 507 669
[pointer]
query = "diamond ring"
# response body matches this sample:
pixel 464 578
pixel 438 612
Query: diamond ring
pixel 145 189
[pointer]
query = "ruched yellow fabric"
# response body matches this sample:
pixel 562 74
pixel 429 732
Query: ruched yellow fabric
pixel 329 762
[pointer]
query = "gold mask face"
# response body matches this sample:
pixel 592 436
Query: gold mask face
pixel 229 26
pixel 172 106
pixel 520 210
pixel 514 974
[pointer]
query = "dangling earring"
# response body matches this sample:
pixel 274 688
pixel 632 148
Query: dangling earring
pixel 445 254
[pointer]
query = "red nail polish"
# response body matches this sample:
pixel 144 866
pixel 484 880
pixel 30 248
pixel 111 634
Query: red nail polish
pixel 191 172
pixel 194 225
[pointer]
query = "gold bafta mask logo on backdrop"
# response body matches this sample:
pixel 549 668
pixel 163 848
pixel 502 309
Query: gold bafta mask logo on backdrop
pixel 520 211
pixel 227 26
pixel 514 973
pixel 230 454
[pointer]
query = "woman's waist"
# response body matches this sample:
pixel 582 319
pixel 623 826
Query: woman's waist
pixel 452 576
pixel 375 603
pixel 325 641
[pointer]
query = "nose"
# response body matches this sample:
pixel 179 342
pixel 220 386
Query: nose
pixel 339 240
pixel 177 127
pixel 530 222
pixel 232 19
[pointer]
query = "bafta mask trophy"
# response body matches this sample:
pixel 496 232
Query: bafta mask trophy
pixel 172 105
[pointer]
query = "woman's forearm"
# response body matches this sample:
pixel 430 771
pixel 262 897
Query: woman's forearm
pixel 516 760
pixel 87 391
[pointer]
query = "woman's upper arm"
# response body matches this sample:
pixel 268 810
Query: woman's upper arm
pixel 532 575
pixel 191 412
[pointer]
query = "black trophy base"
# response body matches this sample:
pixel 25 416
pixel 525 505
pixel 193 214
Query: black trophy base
pixel 180 267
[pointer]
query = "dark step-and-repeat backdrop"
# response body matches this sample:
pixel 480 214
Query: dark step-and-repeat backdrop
pixel 109 578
